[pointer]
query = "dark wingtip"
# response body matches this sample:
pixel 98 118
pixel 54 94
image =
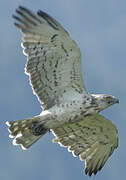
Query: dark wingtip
pixel 89 172
pixel 86 171
pixel 15 17
pixel 39 11
pixel 42 13
pixel 23 8
pixel 17 25
pixel 52 22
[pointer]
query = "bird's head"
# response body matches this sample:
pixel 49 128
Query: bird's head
pixel 102 101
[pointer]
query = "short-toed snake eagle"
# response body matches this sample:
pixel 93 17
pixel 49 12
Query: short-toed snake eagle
pixel 54 70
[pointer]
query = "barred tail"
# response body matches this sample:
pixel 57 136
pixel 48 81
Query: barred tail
pixel 26 132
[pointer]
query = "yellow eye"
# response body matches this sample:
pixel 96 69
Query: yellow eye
pixel 108 99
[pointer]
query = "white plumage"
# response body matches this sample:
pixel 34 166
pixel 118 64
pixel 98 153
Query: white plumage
pixel 54 70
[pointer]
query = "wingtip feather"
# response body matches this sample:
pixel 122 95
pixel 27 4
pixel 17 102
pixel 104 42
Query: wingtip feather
pixel 23 8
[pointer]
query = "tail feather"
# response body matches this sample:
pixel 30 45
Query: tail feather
pixel 26 132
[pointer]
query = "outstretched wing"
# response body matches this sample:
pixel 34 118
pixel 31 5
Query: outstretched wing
pixel 53 58
pixel 93 139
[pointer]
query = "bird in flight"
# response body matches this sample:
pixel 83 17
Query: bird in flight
pixel 68 110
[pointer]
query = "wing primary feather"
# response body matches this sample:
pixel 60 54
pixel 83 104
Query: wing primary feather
pixel 48 19
pixel 29 13
pixel 25 17
pixel 20 20
pixel 19 26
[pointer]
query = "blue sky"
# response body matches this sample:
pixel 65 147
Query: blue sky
pixel 99 28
